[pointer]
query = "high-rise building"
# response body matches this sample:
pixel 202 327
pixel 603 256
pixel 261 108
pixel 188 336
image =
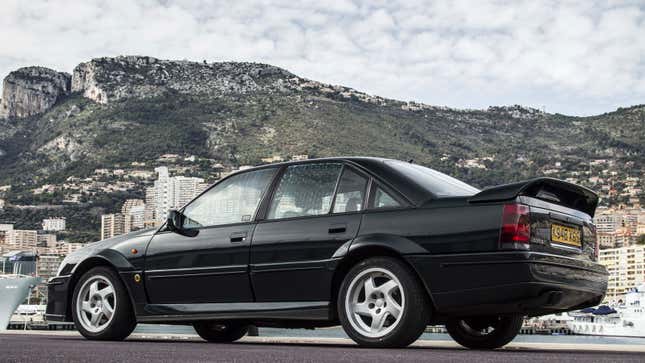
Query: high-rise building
pixel 133 211
pixel 171 193
pixel 46 240
pixel 54 224
pixel 25 239
pixel 47 265
pixel 112 225
pixel 149 211
pixel 626 267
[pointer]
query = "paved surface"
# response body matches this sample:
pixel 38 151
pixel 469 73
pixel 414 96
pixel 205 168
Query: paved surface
pixel 48 347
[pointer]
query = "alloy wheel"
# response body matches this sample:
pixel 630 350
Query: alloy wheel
pixel 96 303
pixel 375 302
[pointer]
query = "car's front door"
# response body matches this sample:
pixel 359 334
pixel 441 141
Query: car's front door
pixel 292 247
pixel 212 266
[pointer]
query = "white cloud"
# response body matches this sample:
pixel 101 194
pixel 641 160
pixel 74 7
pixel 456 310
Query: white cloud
pixel 571 57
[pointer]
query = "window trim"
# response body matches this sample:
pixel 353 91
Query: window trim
pixel 365 190
pixel 277 181
pixel 257 209
pixel 372 195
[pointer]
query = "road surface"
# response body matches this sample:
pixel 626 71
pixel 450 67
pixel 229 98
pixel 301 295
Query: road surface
pixel 56 347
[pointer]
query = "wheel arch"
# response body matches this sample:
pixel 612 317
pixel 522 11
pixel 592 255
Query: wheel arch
pixel 363 248
pixel 110 260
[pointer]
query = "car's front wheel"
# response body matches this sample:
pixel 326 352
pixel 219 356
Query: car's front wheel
pixel 220 332
pixel 102 308
pixel 381 304
pixel 484 332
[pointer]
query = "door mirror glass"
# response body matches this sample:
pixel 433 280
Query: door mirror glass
pixel 234 200
pixel 305 190
pixel 175 222
pixel 351 192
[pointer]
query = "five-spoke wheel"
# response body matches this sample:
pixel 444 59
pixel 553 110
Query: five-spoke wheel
pixel 382 304
pixel 96 303
pixel 102 308
pixel 374 302
pixel 485 332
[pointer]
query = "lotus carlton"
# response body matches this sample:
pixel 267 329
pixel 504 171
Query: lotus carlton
pixel 382 247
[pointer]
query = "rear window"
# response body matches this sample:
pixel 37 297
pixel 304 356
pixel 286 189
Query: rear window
pixel 433 181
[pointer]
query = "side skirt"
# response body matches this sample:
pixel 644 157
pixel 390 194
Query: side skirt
pixel 310 310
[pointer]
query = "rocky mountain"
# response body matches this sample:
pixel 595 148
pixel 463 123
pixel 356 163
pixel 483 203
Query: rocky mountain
pixel 32 90
pixel 112 112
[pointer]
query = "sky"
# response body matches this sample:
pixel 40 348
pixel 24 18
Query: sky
pixel 572 57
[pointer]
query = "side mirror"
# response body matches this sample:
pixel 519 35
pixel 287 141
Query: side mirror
pixel 175 223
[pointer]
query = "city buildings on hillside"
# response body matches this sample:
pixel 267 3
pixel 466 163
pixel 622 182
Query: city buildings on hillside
pixel 171 192
pixel 112 225
pixel 626 267
pixel 619 227
pixel 54 224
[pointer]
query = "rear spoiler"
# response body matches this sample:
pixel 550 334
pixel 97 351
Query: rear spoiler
pixel 549 189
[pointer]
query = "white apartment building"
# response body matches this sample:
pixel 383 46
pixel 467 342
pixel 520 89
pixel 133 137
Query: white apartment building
pixel 626 266
pixel 171 192
pixel 112 225
pixel 133 211
pixel 619 227
pixel 54 224
pixel 25 239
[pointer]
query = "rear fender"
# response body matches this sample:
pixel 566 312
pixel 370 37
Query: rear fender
pixel 374 245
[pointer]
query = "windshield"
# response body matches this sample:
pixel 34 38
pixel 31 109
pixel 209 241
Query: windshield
pixel 435 182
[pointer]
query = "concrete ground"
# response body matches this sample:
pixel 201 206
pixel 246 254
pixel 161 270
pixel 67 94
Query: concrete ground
pixel 18 346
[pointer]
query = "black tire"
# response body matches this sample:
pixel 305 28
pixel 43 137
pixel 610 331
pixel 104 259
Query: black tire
pixel 220 332
pixel 415 314
pixel 123 321
pixel 467 331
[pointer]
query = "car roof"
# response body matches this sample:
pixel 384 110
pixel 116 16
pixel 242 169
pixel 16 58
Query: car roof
pixel 375 166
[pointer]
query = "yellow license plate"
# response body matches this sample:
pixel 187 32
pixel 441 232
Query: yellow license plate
pixel 566 235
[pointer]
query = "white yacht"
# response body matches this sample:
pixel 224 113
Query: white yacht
pixel 16 281
pixel 625 319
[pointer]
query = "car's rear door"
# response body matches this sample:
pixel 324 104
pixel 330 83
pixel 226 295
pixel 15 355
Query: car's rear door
pixel 314 210
pixel 211 267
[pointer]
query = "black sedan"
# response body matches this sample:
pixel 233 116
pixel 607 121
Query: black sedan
pixel 382 247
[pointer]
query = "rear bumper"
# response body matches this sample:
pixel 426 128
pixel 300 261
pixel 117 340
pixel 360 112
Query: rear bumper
pixel 57 295
pixel 527 283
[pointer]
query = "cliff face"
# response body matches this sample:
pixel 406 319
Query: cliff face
pixel 32 90
pixel 105 80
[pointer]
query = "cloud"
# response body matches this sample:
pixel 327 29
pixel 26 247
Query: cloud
pixel 570 57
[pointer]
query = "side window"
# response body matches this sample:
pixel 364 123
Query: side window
pixel 383 200
pixel 234 200
pixel 305 190
pixel 351 192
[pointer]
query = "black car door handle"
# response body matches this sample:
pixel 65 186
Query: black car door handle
pixel 238 236
pixel 337 228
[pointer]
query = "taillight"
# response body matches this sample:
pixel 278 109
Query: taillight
pixel 516 227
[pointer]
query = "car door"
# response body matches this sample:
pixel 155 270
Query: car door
pixel 212 266
pixel 315 209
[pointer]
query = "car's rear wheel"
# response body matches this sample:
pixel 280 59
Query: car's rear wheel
pixel 101 306
pixel 381 304
pixel 484 332
pixel 220 332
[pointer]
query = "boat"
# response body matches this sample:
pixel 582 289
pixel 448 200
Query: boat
pixel 623 319
pixel 16 281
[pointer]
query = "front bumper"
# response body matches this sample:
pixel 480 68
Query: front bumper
pixel 57 299
pixel 527 283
